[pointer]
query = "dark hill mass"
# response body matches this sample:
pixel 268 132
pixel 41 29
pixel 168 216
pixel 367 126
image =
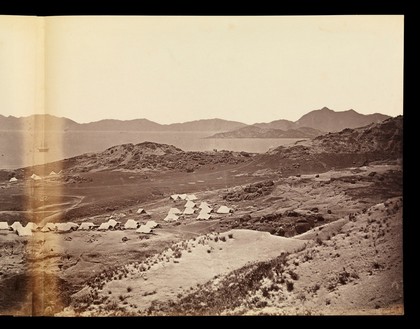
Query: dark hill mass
pixel 331 121
pixel 349 147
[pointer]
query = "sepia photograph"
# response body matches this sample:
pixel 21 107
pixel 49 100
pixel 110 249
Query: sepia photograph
pixel 201 165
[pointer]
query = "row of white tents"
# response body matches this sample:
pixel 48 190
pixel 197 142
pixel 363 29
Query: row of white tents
pixel 70 226
pixel 188 197
pixel 35 177
pixel 205 211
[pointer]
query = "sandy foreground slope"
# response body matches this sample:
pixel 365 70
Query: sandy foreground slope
pixel 184 266
pixel 351 266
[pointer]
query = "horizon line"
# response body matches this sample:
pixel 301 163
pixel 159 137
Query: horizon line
pixel 183 122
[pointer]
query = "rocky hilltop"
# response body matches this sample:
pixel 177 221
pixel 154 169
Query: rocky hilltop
pixel 349 147
pixel 144 156
pixel 332 121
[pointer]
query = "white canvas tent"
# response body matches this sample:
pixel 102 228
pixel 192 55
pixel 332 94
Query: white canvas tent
pixel 32 226
pixel 73 225
pixel 171 218
pixel 144 229
pixel 65 227
pixel 24 231
pixel 13 180
pixel 182 196
pixel 152 224
pixel 206 210
pixel 141 211
pixel 204 204
pixel 174 197
pixel 4 226
pixel 86 226
pixel 203 215
pixel 130 224
pixel 188 211
pixel 191 197
pixel 189 204
pixel 16 225
pixel 104 227
pixel 112 223
pixel 48 227
pixel 174 211
pixel 53 173
pixel 224 210
pixel 35 177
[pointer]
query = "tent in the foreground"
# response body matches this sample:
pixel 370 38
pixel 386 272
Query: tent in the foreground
pixel 152 224
pixel 130 224
pixel 13 180
pixel 206 210
pixel 191 197
pixel 182 196
pixel 224 210
pixel 86 226
pixel 73 226
pixel 51 226
pixel 189 204
pixel 48 227
pixel 104 227
pixel 24 231
pixel 32 226
pixel 171 218
pixel 35 177
pixel 4 226
pixel 112 223
pixel 203 204
pixel 174 197
pixel 16 225
pixel 188 211
pixel 63 227
pixel 174 211
pixel 203 215
pixel 144 229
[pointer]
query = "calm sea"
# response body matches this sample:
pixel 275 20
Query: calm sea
pixel 14 154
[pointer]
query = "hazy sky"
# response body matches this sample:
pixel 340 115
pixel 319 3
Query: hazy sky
pixel 176 69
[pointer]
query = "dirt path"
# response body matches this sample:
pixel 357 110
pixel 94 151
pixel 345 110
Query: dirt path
pixel 59 212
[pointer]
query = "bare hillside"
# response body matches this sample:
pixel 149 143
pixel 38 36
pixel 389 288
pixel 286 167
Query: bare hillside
pixel 353 266
pixel 349 147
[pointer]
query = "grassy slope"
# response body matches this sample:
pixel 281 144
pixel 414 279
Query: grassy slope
pixel 179 269
pixel 355 268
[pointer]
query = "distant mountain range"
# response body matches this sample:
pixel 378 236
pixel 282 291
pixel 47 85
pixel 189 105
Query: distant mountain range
pixel 310 125
pixel 51 122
